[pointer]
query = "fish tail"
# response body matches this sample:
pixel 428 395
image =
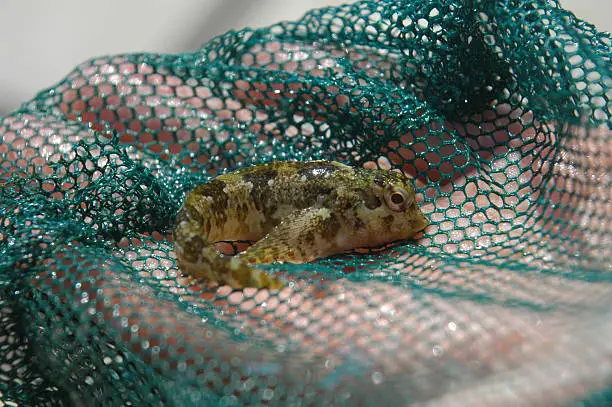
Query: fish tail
pixel 243 275
pixel 199 258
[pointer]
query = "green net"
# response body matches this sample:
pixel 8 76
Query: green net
pixel 500 111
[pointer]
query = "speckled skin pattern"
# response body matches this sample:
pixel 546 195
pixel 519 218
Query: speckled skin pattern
pixel 296 212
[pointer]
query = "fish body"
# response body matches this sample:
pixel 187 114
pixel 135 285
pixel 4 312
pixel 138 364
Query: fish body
pixel 296 212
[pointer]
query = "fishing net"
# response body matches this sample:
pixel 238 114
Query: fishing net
pixel 501 113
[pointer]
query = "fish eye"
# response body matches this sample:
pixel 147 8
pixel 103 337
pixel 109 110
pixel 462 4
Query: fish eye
pixel 397 199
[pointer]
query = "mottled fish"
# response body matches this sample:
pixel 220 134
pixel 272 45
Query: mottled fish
pixel 296 212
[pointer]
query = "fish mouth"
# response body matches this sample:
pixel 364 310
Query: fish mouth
pixel 422 223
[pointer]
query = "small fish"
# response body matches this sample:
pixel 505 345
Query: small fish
pixel 296 212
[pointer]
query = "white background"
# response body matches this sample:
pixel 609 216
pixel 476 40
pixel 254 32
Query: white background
pixel 42 41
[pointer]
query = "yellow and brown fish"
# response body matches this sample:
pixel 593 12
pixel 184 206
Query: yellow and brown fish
pixel 296 212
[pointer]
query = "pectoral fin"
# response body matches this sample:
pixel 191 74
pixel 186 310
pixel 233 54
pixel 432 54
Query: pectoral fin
pixel 301 237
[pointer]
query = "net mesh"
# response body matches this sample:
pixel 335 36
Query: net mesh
pixel 500 111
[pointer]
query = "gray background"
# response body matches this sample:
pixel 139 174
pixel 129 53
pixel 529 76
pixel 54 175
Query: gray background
pixel 42 41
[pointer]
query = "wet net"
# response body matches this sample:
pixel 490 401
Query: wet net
pixel 499 110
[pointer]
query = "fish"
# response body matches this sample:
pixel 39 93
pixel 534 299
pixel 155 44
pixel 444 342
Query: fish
pixel 295 212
